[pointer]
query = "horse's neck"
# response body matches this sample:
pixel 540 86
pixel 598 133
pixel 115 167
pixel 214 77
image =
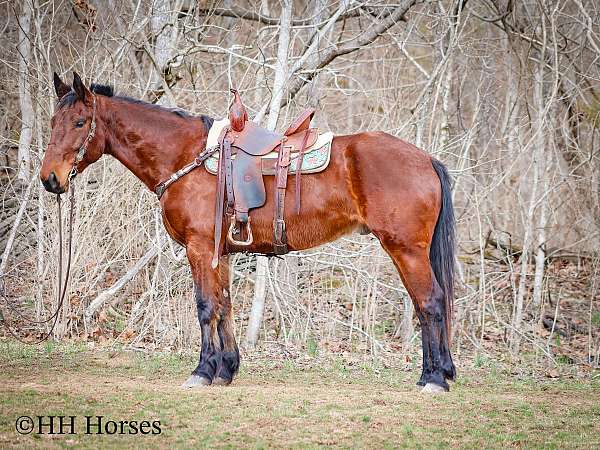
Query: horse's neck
pixel 151 143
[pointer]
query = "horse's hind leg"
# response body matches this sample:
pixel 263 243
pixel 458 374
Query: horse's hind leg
pixel 415 270
pixel 219 356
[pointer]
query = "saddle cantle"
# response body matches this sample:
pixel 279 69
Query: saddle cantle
pixel 241 166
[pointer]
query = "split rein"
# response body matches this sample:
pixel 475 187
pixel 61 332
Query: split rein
pixel 62 285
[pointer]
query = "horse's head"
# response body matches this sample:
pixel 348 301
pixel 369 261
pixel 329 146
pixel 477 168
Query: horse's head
pixel 77 139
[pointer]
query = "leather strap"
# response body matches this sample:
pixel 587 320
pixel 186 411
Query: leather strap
pixel 161 187
pixel 220 196
pixel 279 235
pixel 219 206
pixel 228 175
pixel 301 123
pixel 299 160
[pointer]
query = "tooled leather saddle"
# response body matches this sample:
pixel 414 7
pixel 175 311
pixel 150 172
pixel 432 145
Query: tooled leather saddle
pixel 240 184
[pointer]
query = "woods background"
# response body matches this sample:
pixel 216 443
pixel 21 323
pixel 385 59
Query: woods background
pixel 506 93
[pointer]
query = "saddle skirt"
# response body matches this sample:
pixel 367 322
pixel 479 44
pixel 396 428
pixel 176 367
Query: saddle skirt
pixel 316 157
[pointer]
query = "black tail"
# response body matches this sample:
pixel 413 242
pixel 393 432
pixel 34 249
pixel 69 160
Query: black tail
pixel 443 244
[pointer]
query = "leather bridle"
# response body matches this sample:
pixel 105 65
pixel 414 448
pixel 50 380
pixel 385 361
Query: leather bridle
pixel 83 149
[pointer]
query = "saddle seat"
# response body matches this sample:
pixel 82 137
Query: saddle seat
pixel 247 149
pixel 257 141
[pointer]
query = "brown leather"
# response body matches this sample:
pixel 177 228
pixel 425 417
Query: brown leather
pixel 242 178
pixel 301 123
pixel 299 166
pixel 255 140
pixel 248 186
pixel 295 140
pixel 228 175
pixel 279 236
pixel 220 200
pixel 238 115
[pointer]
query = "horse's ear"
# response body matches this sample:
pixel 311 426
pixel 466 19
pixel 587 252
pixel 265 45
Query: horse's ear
pixel 61 88
pixel 82 92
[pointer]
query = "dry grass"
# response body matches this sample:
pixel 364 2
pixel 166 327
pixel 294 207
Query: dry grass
pixel 290 403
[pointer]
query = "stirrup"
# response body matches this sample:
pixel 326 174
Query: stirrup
pixel 230 237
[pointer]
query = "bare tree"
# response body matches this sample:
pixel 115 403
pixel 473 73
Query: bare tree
pixel 27 119
pixel 262 263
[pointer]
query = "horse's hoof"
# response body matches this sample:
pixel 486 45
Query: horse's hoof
pixel 221 382
pixel 432 388
pixel 195 381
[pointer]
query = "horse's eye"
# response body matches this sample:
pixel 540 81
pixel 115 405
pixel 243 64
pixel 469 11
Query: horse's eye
pixel 79 123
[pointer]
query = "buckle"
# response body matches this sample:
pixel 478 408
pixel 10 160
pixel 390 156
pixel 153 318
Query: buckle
pixel 159 190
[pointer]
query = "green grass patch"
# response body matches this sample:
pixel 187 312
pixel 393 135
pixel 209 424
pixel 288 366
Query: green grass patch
pixel 286 403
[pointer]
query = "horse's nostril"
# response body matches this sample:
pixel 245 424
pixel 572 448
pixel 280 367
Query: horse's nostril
pixel 52 184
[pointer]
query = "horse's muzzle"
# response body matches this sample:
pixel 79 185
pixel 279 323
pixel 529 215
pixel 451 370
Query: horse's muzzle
pixel 51 184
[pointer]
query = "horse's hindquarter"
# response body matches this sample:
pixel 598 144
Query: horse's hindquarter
pixel 395 187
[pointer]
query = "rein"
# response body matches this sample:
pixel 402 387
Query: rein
pixel 62 285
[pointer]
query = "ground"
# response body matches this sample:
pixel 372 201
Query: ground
pixel 289 403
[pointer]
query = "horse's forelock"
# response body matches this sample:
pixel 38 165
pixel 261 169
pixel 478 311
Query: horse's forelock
pixel 70 98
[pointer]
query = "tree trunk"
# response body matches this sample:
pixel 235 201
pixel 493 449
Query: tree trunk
pixel 262 264
pixel 24 49
pixel 165 40
pixel 538 168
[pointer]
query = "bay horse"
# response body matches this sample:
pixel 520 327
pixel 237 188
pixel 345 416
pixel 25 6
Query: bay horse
pixel 374 182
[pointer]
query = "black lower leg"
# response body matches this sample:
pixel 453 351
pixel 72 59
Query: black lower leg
pixel 447 363
pixel 230 354
pixel 435 342
pixel 425 342
pixel 210 353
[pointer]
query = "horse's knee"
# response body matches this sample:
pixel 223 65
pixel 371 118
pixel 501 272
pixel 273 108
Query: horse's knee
pixel 205 307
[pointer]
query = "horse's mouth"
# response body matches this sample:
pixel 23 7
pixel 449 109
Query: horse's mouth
pixel 51 184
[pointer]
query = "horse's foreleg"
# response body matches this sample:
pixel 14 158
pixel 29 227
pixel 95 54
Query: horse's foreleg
pixel 225 329
pixel 219 358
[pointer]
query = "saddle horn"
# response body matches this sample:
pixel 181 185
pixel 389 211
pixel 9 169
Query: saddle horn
pixel 238 116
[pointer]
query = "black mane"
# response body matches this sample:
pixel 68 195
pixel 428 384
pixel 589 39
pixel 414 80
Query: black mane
pixel 102 89
pixel 107 91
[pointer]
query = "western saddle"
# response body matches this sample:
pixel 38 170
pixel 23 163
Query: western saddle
pixel 240 184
